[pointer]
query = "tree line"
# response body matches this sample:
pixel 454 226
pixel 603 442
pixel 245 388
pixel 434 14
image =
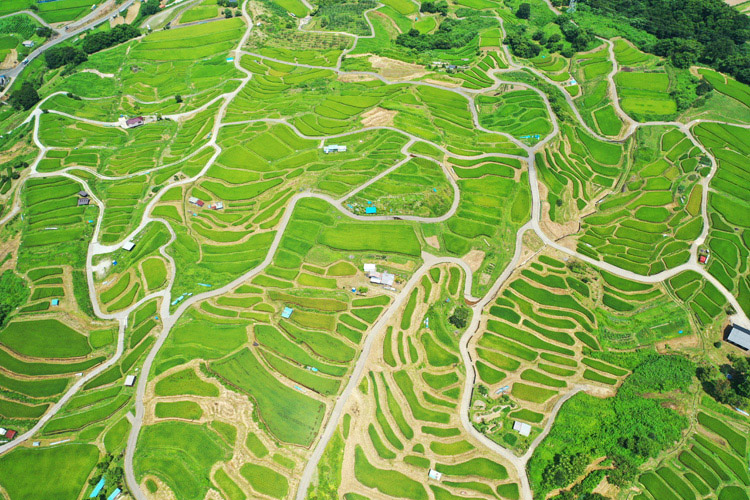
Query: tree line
pixel 452 33
pixel 687 32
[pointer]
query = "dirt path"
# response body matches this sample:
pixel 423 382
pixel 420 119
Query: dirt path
pixel 532 226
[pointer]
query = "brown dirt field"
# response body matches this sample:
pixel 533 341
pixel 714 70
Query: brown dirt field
pixel 132 12
pixel 606 489
pixel 19 148
pixel 350 78
pixel 10 246
pixel 10 60
pixel 686 341
pixel 396 70
pixel 474 259
pixel 559 231
pixel 378 117
pixel 433 241
pixel 601 391
pixel 444 83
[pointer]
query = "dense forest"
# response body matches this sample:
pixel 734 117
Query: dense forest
pixel 627 429
pixel 687 31
pixel 729 384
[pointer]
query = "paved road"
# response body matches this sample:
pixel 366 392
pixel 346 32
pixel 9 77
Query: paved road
pixel 169 319
pixel 63 36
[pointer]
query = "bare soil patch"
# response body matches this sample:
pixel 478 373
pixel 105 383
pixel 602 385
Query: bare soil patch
pixel 10 60
pixel 444 83
pixel 378 117
pixel 354 78
pixel 396 70
pixel 474 259
pixel 433 241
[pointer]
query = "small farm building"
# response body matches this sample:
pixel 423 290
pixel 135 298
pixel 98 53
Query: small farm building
pixel 83 194
pixel 83 201
pixel 522 428
pixel 28 43
pixel 370 268
pixel 114 494
pixel 702 259
pixel 128 245
pixel 3 431
pixel 433 474
pixel 130 381
pixel 55 302
pixel 10 434
pixel 135 122
pixel 287 312
pixel 334 149
pixel 739 336
pixel 384 278
pixel 98 488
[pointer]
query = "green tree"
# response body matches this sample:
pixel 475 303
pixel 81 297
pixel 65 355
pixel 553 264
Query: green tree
pixel 24 97
pixel 524 11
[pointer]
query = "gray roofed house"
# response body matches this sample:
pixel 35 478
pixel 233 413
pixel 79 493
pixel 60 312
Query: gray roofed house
pixel 739 336
pixel 83 201
pixel 83 194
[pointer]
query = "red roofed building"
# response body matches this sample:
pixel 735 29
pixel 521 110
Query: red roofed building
pixel 10 434
pixel 135 122
pixel 702 259
pixel 200 203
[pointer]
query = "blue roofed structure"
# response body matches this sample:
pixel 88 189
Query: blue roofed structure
pixel 114 494
pixel 287 312
pixel 98 487
pixel 371 210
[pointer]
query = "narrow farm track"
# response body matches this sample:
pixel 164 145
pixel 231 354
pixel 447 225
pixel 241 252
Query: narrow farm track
pixel 428 260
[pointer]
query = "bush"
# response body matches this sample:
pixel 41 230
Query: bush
pixel 25 97
pixel 452 33
pixel 459 317
pixel 56 57
pixel 149 7
pixel 524 11
pixel 440 6
pixel 44 32
pixel 95 42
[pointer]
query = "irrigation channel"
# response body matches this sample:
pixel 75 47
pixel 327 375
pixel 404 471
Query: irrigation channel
pixel 429 260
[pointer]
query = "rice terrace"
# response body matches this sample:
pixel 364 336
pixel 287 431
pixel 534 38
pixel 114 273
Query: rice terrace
pixel 374 249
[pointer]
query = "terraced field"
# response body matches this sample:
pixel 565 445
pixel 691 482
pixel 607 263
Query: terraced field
pixel 346 256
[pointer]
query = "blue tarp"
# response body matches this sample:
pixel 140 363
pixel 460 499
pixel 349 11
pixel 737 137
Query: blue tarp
pixel 371 210
pixel 98 487
pixel 55 302
pixel 114 494
pixel 287 312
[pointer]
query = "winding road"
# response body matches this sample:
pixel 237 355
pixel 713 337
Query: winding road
pixel 169 319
